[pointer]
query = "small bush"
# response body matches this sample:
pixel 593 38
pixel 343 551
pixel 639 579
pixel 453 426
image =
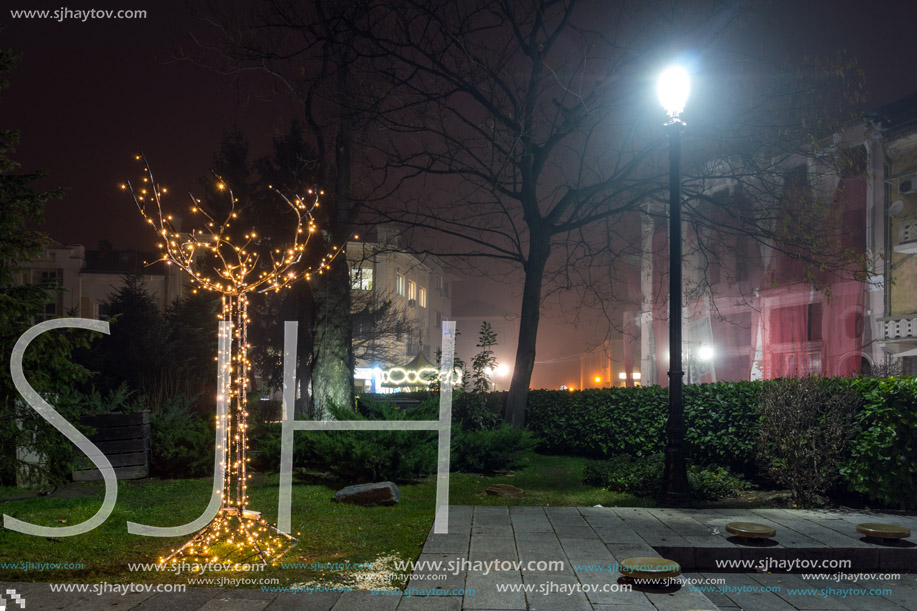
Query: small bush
pixel 714 483
pixel 120 400
pixel 806 424
pixel 474 412
pixel 883 454
pixel 265 445
pixel 643 477
pixel 29 431
pixel 488 451
pixel 640 477
pixel 365 456
pixel 182 443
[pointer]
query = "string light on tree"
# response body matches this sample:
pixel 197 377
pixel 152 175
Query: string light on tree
pixel 221 260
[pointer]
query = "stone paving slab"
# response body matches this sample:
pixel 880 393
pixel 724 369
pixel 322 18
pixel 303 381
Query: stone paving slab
pixel 361 601
pixel 565 516
pixel 452 543
pixel 227 602
pixel 491 521
pixel 316 601
pixel 487 594
pixel 530 519
pixel 428 578
pixel 799 601
pixel 650 528
pixel 685 525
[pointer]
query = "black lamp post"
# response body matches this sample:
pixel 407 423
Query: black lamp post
pixel 673 88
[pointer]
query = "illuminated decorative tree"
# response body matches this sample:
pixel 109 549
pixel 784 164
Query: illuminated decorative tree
pixel 218 259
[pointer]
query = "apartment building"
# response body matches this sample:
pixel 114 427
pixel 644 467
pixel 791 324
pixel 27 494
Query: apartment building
pixel 751 308
pixel 418 292
pixel 88 278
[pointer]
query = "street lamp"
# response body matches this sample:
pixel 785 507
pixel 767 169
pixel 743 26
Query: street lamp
pixel 673 88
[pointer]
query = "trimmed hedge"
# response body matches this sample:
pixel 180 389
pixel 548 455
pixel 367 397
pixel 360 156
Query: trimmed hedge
pixel 883 454
pixel 722 422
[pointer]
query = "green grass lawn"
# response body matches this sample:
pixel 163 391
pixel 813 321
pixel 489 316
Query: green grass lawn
pixel 329 532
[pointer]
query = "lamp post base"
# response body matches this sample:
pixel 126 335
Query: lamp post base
pixel 676 490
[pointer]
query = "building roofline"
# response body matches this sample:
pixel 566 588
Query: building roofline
pixel 896 119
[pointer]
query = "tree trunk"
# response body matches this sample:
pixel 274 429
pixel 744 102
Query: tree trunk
pixel 332 375
pixel 305 314
pixel 516 400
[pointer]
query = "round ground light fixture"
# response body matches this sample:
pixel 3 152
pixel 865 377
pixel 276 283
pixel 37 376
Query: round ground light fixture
pixel 888 533
pixel 750 530
pixel 649 569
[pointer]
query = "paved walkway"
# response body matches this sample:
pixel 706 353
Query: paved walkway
pixel 585 544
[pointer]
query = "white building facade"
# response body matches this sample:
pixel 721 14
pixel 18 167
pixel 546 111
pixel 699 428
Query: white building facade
pixel 420 292
pixel 86 280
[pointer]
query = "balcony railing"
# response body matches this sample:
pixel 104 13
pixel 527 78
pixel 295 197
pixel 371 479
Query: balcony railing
pixel 898 327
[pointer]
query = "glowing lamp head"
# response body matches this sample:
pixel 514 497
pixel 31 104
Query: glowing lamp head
pixel 673 88
pixel 705 353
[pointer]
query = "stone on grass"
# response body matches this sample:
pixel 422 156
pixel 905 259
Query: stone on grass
pixel 504 490
pixel 369 495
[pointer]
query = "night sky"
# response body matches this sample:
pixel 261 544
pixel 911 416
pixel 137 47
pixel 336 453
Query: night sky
pixel 87 96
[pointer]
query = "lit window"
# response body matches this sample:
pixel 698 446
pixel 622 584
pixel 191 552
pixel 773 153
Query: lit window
pixel 399 285
pixel 361 278
pixel 422 297
pixel 412 289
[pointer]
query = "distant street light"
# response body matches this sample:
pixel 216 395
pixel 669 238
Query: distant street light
pixel 499 371
pixel 700 358
pixel 673 88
